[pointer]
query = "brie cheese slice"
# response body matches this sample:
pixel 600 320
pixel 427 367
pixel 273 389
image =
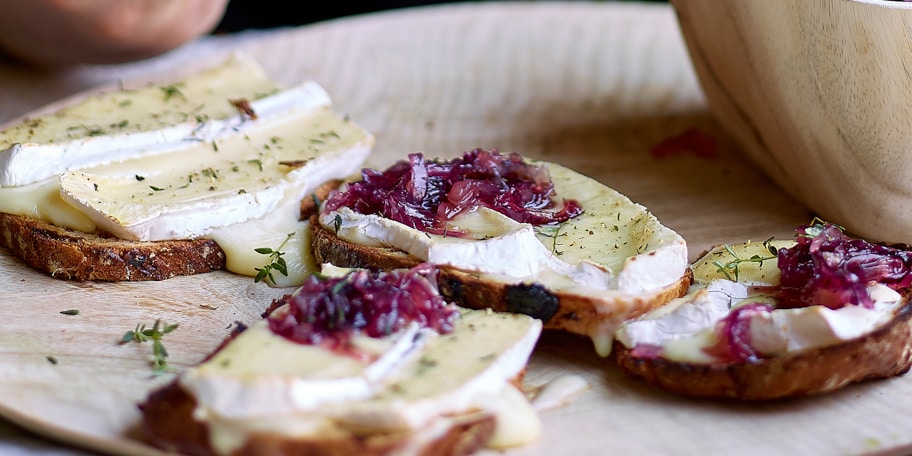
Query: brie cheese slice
pixel 261 373
pixel 189 193
pixel 154 119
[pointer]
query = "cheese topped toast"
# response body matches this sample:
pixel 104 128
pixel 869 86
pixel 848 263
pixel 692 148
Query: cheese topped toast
pixel 178 178
pixel 357 363
pixel 779 319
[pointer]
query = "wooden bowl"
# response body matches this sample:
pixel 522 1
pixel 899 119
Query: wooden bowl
pixel 818 93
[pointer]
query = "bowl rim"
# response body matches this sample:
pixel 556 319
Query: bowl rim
pixel 891 4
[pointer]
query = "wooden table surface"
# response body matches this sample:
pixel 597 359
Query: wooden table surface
pixel 593 86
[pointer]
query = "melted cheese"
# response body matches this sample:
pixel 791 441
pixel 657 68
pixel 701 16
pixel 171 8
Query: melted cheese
pixel 615 250
pixel 440 376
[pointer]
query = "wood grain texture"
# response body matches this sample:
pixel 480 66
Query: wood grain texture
pixel 818 94
pixel 593 86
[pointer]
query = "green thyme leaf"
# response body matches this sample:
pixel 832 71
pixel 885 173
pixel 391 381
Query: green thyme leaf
pixel 70 312
pixel 731 270
pixel 142 334
pixel 276 262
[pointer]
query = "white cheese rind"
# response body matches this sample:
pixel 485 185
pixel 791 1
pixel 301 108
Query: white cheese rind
pixel 511 249
pixel 682 317
pixel 261 373
pixel 790 330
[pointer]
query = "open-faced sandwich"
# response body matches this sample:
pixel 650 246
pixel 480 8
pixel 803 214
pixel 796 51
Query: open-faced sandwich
pixel 511 234
pixel 779 319
pixel 159 180
pixel 355 362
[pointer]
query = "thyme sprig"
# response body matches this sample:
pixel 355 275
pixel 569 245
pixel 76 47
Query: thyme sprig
pixel 553 232
pixel 276 262
pixel 143 334
pixel 732 268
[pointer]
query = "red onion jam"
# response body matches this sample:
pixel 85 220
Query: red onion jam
pixel 425 194
pixel 734 343
pixel 828 268
pixel 375 303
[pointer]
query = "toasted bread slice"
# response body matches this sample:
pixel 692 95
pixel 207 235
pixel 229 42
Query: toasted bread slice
pixel 560 311
pixel 71 254
pixel 743 333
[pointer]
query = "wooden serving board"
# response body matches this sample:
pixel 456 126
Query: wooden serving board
pixel 593 86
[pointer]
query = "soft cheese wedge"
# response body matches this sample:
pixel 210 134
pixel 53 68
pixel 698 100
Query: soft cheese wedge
pixel 120 124
pixel 225 154
pixel 586 275
pixel 733 336
pixel 393 394
pixel 242 176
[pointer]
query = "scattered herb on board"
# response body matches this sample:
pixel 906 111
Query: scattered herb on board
pixel 731 269
pixel 276 262
pixel 51 359
pixel 70 312
pixel 159 353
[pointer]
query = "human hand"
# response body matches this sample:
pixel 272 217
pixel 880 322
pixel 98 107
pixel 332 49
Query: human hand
pixel 69 32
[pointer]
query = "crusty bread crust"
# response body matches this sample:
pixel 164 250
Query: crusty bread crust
pixel 69 254
pixel 168 423
pixel 883 353
pixel 575 314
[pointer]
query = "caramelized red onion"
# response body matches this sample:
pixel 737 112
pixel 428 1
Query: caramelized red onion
pixel 373 303
pixel 426 194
